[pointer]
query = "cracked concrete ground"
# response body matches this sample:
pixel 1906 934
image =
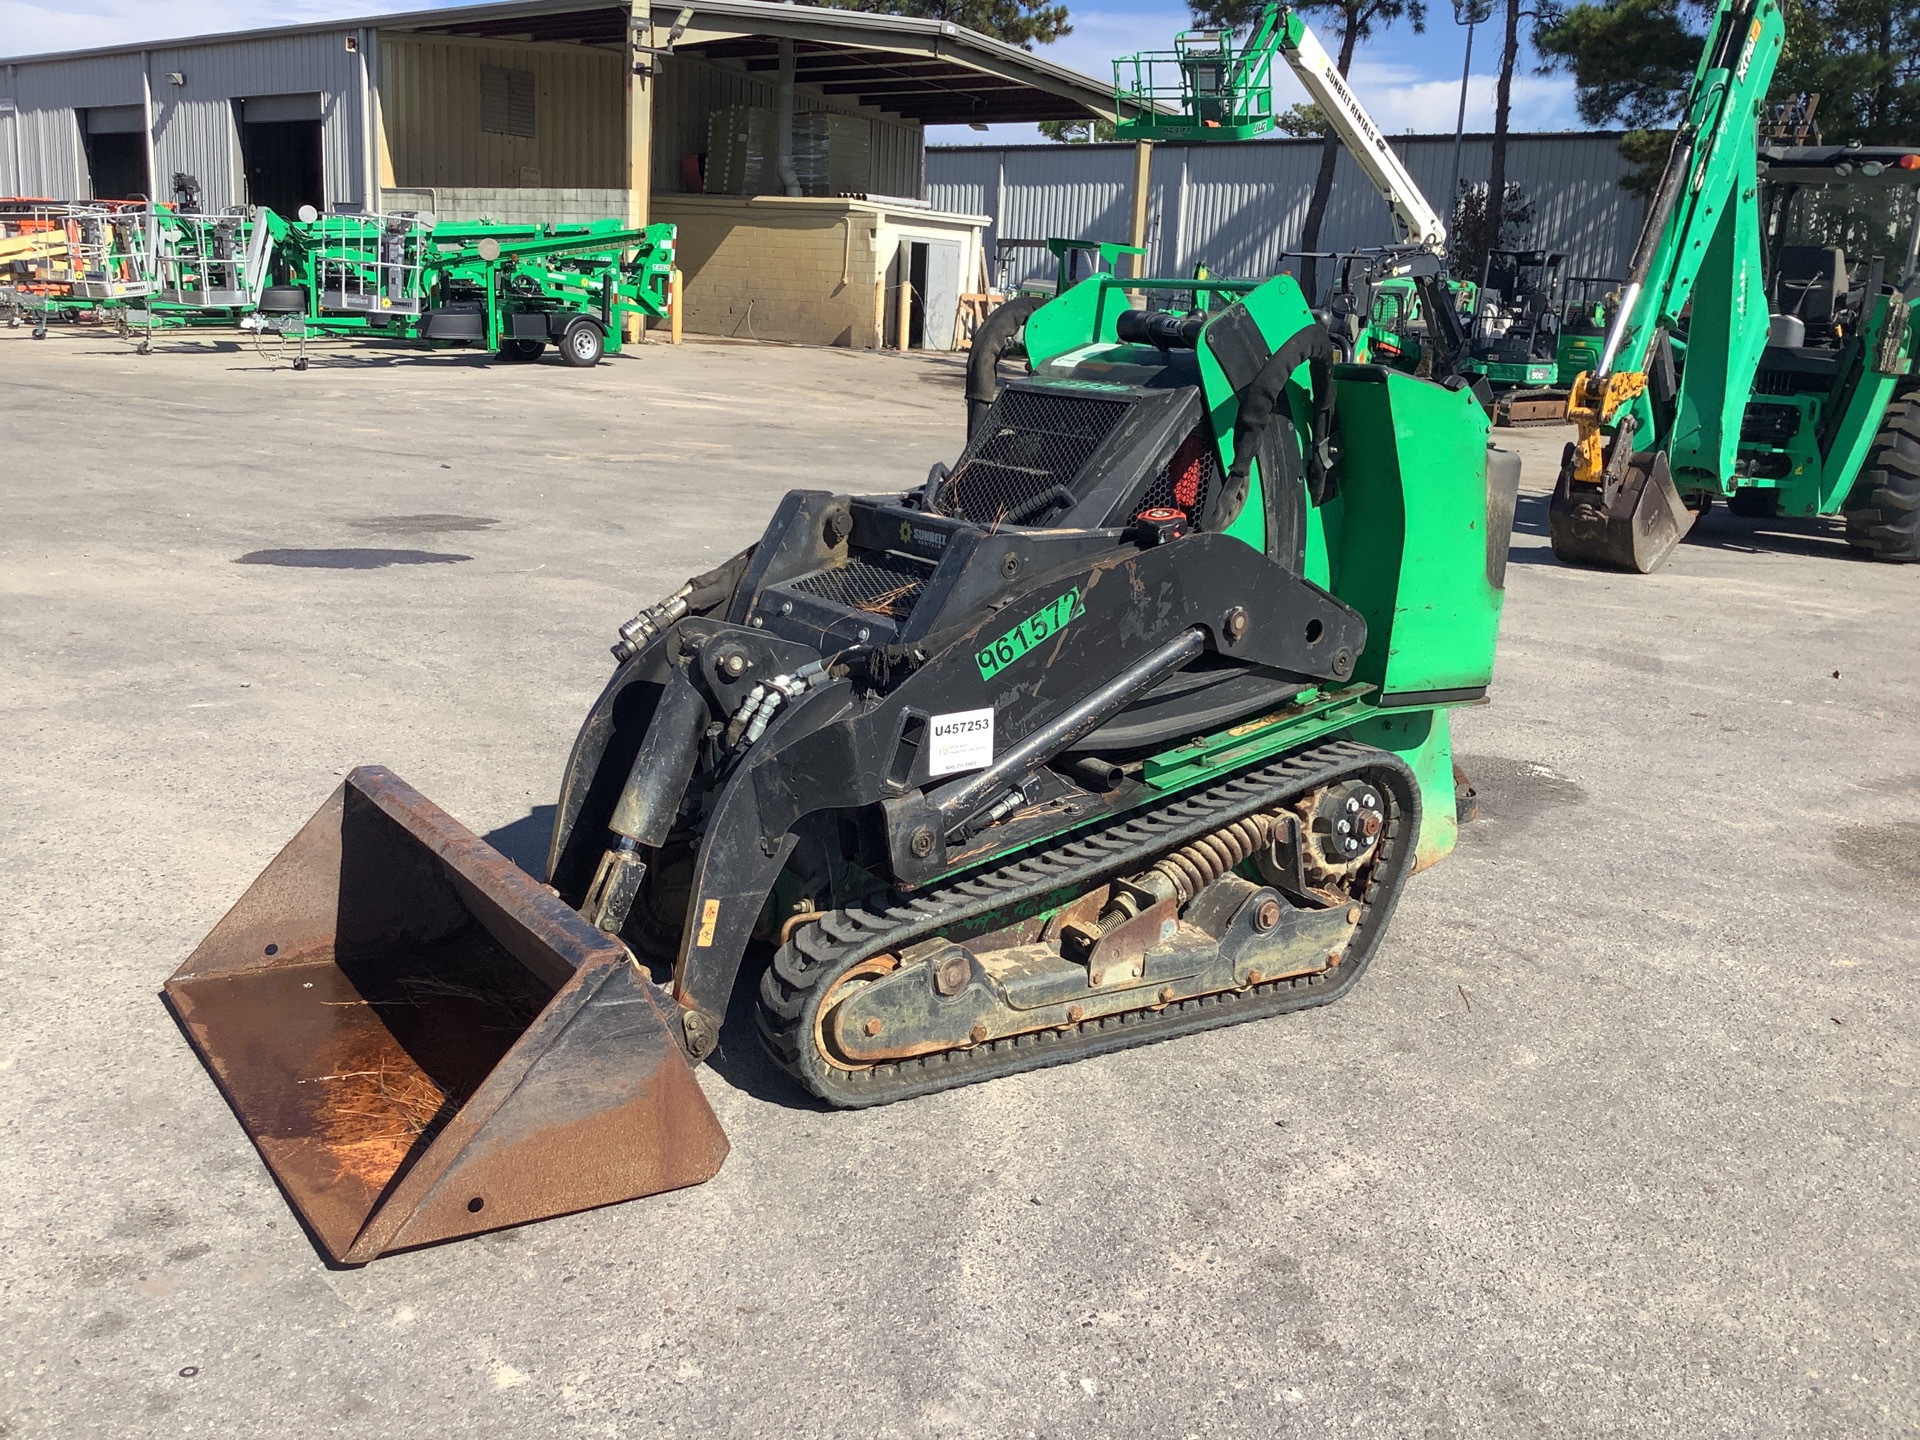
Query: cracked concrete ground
pixel 1617 1137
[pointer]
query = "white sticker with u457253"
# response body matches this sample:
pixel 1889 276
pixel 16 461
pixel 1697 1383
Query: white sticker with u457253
pixel 960 741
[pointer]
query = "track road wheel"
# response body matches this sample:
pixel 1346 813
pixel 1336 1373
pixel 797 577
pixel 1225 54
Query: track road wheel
pixel 1139 930
pixel 1883 511
pixel 520 351
pixel 582 345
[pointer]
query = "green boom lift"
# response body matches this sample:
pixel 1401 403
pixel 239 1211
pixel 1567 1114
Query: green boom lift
pixel 510 289
pixel 1754 356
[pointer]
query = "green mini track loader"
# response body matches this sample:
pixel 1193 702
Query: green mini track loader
pixel 1763 348
pixel 1131 722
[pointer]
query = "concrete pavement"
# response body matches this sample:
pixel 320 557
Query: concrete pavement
pixel 1618 1137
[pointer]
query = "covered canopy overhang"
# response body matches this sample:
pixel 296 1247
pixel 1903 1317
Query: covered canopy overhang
pixel 926 70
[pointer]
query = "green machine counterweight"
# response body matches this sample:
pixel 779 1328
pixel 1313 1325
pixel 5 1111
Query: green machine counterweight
pixel 1754 357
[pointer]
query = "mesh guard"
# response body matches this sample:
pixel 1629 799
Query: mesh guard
pixel 1030 443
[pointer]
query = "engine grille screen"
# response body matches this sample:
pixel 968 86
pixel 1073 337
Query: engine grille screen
pixel 1031 444
pixel 879 584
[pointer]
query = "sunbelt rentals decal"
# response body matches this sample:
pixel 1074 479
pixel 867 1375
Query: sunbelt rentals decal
pixel 1049 620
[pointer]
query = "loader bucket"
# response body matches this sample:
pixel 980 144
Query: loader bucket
pixel 1636 528
pixel 424 1043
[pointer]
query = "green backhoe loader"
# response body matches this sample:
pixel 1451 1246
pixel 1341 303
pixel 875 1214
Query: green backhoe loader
pixel 1763 348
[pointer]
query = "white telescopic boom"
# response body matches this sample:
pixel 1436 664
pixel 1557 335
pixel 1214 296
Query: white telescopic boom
pixel 1418 222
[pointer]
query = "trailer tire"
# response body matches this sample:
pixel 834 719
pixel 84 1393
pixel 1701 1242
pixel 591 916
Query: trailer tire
pixel 582 345
pixel 1883 510
pixel 520 352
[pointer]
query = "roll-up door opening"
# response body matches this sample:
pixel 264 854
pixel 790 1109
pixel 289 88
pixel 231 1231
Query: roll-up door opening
pixel 280 152
pixel 116 141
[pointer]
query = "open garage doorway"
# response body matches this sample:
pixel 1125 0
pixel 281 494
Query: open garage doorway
pixel 116 141
pixel 280 152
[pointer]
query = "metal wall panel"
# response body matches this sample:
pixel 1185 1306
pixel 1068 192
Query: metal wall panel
pixel 1235 207
pixel 44 156
pixel 194 125
pixel 40 143
pixel 430 100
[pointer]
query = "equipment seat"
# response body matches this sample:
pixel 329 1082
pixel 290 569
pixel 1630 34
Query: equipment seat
pixel 1811 283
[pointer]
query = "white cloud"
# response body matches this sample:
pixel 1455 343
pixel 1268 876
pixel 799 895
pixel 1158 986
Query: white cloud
pixel 1400 100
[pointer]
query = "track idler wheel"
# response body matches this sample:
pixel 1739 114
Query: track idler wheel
pixel 1632 520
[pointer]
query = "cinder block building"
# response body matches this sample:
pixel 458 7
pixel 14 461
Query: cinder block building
pixel 788 142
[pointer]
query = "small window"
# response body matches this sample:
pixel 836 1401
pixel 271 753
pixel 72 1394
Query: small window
pixel 506 101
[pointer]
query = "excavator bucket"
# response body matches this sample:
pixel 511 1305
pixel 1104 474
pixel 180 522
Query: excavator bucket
pixel 423 1042
pixel 1632 525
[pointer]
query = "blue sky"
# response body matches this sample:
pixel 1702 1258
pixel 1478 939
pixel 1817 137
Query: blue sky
pixel 1410 82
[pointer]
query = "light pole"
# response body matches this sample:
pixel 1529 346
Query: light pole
pixel 1468 13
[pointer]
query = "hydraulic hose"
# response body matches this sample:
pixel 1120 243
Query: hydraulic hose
pixel 997 338
pixel 1261 399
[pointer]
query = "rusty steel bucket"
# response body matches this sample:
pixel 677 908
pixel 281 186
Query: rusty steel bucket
pixel 1634 524
pixel 424 1042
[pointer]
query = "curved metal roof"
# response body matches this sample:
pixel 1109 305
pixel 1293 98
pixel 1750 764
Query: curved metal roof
pixel 927 70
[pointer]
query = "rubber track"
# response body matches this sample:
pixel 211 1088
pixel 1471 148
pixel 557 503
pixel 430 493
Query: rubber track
pixel 817 954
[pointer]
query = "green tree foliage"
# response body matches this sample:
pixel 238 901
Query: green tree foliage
pixel 1862 58
pixel 1475 231
pixel 1025 23
pixel 1632 61
pixel 1077 132
pixel 1302 121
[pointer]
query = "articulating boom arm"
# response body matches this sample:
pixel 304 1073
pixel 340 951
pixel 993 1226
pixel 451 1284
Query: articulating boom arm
pixel 1420 224
pixel 1225 92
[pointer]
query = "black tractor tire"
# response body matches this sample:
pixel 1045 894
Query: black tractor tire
pixel 1883 510
pixel 582 345
pixel 283 300
pixel 520 352
pixel 1754 504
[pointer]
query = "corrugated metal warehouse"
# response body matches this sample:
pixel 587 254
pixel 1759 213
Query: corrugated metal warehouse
pixel 551 110
pixel 548 110
pixel 1236 207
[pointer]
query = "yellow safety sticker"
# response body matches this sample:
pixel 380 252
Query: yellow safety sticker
pixel 709 918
